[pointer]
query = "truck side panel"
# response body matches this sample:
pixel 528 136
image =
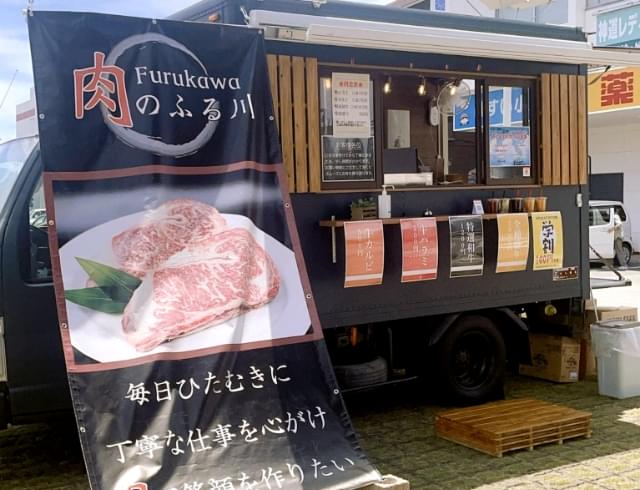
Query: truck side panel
pixel 394 300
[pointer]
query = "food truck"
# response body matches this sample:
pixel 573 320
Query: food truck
pixel 437 166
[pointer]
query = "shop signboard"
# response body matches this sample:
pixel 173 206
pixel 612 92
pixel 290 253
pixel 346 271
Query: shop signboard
pixel 619 27
pixel 419 249
pixel 547 239
pixel 193 347
pixel 513 242
pixel 364 253
pixel 614 89
pixel 466 240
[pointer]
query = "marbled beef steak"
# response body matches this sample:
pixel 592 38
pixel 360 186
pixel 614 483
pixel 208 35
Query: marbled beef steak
pixel 209 281
pixel 163 232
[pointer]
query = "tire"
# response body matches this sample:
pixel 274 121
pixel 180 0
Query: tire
pixel 363 374
pixel 623 255
pixel 470 360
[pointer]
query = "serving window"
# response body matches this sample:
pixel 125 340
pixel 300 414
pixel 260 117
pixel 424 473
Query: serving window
pixel 414 130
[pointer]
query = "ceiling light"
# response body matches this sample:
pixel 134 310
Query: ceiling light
pixel 387 86
pixel 422 88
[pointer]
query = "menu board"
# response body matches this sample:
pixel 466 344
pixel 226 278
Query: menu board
pixel 347 159
pixel 419 249
pixel 350 105
pixel 513 242
pixel 548 245
pixel 467 245
pixel 364 253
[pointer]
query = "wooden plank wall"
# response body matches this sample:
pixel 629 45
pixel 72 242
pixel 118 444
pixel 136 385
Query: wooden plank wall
pixel 563 129
pixel 294 86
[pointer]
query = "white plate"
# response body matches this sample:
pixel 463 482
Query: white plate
pixel 99 335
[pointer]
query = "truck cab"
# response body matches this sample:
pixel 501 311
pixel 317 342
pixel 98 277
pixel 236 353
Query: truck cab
pixel 33 380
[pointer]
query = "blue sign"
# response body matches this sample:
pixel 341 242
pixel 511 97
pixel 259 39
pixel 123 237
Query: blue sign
pixel 619 28
pixel 466 119
pixel 517 105
pixel 440 5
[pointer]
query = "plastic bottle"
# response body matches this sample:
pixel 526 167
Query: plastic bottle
pixel 384 203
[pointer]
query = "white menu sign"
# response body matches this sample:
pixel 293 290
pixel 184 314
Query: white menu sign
pixel 350 101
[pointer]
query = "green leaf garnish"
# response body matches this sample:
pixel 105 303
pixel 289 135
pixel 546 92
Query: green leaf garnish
pixel 118 284
pixel 96 299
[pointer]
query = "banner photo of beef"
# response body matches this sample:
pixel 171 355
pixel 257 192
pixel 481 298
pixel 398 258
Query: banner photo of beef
pixel 158 281
pixel 193 348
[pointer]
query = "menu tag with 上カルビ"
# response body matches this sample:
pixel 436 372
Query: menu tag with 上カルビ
pixel 513 242
pixel 548 245
pixel 364 253
pixel 419 249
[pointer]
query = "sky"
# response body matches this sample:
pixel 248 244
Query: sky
pixel 14 42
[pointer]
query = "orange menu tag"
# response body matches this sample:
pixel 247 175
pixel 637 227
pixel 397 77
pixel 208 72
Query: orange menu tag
pixel 364 253
pixel 419 249
pixel 513 242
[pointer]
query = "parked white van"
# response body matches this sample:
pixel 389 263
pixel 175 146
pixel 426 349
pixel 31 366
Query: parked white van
pixel 602 223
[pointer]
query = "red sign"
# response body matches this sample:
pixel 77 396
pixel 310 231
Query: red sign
pixel 364 253
pixel 107 86
pixel 616 88
pixel 419 249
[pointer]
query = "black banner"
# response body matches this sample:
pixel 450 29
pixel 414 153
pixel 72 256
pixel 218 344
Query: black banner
pixel 192 343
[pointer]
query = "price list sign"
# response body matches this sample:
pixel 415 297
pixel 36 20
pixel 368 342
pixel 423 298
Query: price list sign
pixel 513 242
pixel 547 240
pixel 364 253
pixel 350 102
pixel 467 245
pixel 419 249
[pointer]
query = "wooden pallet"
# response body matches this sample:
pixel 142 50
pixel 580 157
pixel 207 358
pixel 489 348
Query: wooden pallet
pixel 498 427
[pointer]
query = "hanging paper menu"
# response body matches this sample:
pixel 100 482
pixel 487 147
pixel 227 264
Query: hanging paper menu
pixel 419 249
pixel 548 245
pixel 467 245
pixel 364 253
pixel 513 242
pixel 350 102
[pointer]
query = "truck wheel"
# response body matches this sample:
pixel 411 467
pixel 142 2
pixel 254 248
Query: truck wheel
pixel 363 374
pixel 470 360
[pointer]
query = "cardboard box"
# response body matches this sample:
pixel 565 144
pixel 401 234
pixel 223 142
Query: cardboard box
pixel 588 369
pixel 582 324
pixel 554 358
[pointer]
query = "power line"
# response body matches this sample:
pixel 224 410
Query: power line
pixel 6 93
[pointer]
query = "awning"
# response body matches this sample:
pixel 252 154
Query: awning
pixel 399 37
